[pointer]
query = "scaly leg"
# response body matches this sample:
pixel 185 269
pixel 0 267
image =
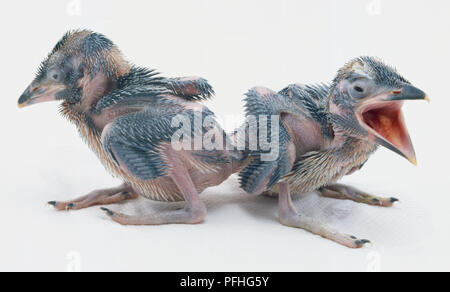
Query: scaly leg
pixel 343 192
pixel 289 217
pixel 99 197
pixel 193 213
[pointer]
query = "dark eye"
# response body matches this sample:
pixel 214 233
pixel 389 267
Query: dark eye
pixel 54 75
pixel 359 89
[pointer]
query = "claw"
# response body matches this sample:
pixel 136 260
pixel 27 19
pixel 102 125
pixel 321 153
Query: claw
pixel 394 200
pixel 361 243
pixel 107 211
pixel 52 203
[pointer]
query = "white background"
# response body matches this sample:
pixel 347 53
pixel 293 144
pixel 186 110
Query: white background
pixel 236 45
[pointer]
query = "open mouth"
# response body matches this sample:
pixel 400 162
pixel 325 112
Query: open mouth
pixel 385 121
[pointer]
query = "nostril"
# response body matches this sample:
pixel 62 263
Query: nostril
pixel 397 92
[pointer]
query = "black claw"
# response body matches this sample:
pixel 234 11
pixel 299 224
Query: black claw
pixel 52 203
pixel 353 237
pixel 362 242
pixel 394 200
pixel 109 212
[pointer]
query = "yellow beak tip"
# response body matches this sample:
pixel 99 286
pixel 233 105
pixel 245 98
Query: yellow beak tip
pixel 427 99
pixel 413 161
pixel 22 105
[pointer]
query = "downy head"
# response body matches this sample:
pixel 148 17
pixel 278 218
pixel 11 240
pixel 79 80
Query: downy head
pixel 366 102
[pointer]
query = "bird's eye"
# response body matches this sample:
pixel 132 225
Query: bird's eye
pixel 359 89
pixel 54 75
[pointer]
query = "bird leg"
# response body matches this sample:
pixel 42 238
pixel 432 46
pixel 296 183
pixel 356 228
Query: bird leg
pixel 343 192
pixel 289 217
pixel 193 213
pixel 98 197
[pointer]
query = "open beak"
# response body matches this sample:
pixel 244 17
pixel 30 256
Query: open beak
pixel 37 93
pixel 382 117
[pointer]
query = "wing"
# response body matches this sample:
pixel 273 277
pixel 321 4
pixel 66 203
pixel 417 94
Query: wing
pixel 146 86
pixel 313 99
pixel 190 88
pixel 308 104
pixel 134 141
pixel 262 174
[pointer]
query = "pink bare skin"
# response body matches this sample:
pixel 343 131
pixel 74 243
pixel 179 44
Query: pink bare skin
pixel 99 89
pixel 343 192
pixel 183 178
pixel 99 197
pixel 332 131
pixel 290 217
pixel 307 139
pixel 193 213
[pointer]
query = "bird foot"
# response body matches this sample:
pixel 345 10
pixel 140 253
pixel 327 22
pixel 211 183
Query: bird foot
pixel 318 228
pixel 289 217
pixel 99 197
pixel 343 192
pixel 182 216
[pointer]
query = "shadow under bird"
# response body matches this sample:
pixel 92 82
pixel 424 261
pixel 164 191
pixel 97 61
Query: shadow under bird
pixel 327 132
pixel 124 113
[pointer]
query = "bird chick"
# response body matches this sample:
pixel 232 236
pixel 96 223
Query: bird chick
pixel 125 115
pixel 327 132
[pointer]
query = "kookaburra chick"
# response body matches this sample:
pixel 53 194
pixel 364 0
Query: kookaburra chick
pixel 327 132
pixel 125 115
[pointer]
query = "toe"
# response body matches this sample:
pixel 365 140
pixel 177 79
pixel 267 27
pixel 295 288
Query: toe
pixel 52 203
pixel 107 211
pixel 59 206
pixel 360 243
pixel 394 200
pixel 389 202
pixel 377 202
